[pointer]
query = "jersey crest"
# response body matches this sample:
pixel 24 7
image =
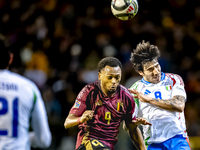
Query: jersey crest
pixel 168 87
pixel 119 106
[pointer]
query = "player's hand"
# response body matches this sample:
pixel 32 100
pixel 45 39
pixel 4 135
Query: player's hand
pixel 87 115
pixel 140 96
pixel 124 126
pixel 142 121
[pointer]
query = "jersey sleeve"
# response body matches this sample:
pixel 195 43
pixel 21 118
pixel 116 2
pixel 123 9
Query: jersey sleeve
pixel 80 103
pixel 41 135
pixel 134 110
pixel 178 88
pixel 131 112
pixel 137 102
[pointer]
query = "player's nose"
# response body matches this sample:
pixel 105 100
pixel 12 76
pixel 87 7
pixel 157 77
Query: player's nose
pixel 156 71
pixel 114 81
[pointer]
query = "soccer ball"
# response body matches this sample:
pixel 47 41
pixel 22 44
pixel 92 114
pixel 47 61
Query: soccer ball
pixel 124 9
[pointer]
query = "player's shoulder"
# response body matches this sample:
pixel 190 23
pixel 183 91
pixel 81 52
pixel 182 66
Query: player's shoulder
pixel 174 77
pixel 124 91
pixel 126 96
pixel 90 86
pixel 21 79
pixel 136 84
pixel 123 88
pixel 22 82
pixel 87 89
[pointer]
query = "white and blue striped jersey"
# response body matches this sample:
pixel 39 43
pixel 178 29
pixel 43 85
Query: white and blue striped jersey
pixel 20 101
pixel 165 124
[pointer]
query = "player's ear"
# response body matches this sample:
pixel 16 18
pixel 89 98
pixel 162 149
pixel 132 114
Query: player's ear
pixel 11 59
pixel 99 75
pixel 141 73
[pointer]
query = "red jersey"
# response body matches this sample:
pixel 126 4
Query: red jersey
pixel 108 113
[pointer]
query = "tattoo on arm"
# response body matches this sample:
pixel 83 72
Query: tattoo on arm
pixel 176 101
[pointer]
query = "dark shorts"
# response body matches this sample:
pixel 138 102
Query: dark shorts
pixel 93 144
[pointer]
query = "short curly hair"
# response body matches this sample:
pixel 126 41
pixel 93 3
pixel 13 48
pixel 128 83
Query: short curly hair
pixel 108 61
pixel 144 53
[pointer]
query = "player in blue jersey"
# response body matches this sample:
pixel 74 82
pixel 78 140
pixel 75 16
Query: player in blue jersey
pixel 160 99
pixel 20 102
pixel 100 107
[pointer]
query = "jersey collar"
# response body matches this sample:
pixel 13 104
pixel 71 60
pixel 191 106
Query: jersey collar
pixel 147 82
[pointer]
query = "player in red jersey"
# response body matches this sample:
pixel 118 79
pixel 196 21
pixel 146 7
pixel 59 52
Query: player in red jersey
pixel 100 107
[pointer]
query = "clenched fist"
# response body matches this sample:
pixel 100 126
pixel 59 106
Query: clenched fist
pixel 87 115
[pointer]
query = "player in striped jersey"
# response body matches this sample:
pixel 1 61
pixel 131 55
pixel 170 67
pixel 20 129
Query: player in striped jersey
pixel 160 99
pixel 100 107
pixel 20 102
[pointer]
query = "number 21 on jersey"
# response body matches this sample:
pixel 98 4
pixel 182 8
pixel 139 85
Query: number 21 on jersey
pixel 9 115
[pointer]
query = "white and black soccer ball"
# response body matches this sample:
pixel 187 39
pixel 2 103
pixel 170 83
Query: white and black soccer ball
pixel 124 9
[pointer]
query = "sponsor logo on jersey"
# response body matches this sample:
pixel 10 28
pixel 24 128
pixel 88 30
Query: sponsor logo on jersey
pixel 146 92
pixel 77 104
pixel 99 103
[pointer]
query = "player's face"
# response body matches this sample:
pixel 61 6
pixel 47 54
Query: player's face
pixel 151 71
pixel 110 78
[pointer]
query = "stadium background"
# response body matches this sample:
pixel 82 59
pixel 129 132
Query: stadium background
pixel 58 43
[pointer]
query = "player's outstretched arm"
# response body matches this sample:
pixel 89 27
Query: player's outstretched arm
pixel 176 103
pixel 136 136
pixel 72 120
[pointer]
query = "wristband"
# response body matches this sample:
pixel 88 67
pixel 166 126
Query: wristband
pixel 79 120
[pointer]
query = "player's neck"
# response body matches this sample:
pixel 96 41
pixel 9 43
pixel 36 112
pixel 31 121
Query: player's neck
pixel 105 92
pixel 109 94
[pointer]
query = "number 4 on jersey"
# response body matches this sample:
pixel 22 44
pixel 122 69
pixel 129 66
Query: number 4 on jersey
pixel 108 116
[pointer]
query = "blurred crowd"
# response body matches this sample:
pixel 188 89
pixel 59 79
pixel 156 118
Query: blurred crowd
pixel 58 43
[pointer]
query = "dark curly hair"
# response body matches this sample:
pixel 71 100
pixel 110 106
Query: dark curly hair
pixel 144 53
pixel 108 61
